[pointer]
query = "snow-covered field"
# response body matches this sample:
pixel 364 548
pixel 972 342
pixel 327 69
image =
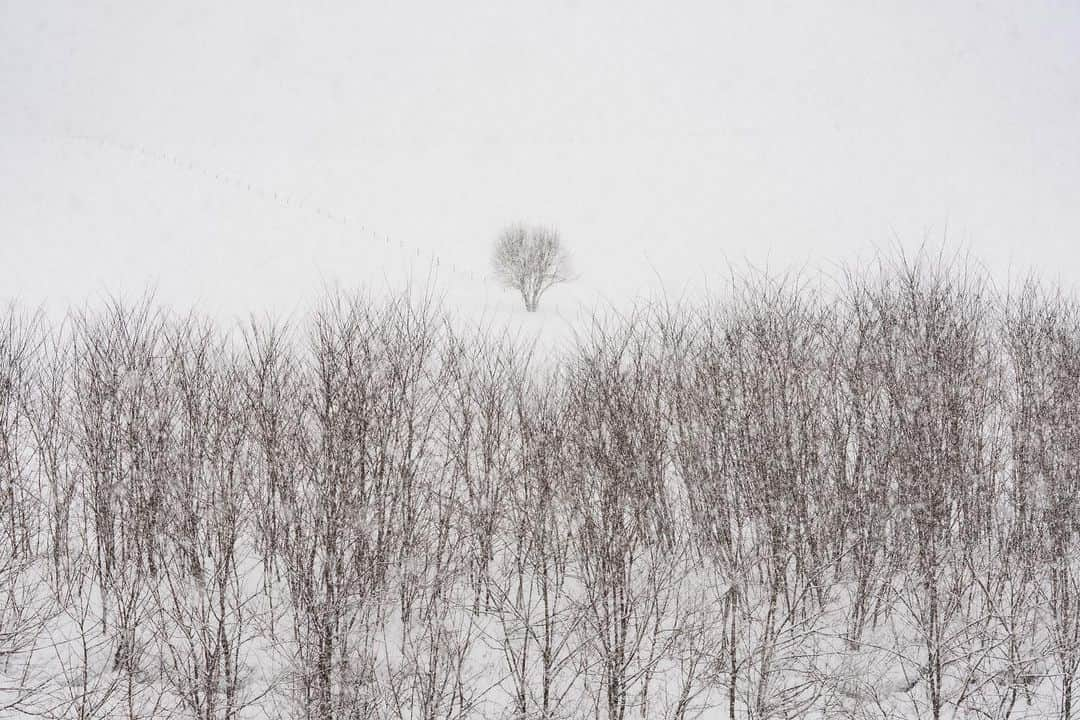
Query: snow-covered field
pixel 274 443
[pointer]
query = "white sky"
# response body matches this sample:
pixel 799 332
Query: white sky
pixel 661 138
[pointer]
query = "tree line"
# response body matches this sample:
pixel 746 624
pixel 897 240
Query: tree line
pixel 859 500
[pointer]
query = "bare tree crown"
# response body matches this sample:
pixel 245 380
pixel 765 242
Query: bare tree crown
pixel 530 260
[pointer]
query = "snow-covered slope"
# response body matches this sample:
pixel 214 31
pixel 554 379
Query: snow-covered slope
pixel 212 149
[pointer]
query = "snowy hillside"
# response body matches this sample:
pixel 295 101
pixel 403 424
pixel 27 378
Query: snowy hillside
pixel 664 145
pixel 798 440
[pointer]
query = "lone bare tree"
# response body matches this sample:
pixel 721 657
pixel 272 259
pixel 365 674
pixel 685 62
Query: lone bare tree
pixel 530 260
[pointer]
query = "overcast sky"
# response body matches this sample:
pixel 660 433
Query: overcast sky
pixel 238 154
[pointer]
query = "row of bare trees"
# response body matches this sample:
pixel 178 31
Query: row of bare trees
pixel 856 501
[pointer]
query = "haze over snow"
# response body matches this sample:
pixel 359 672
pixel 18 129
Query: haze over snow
pixel 242 155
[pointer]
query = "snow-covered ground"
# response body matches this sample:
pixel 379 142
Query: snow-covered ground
pixel 249 160
pixel 241 156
